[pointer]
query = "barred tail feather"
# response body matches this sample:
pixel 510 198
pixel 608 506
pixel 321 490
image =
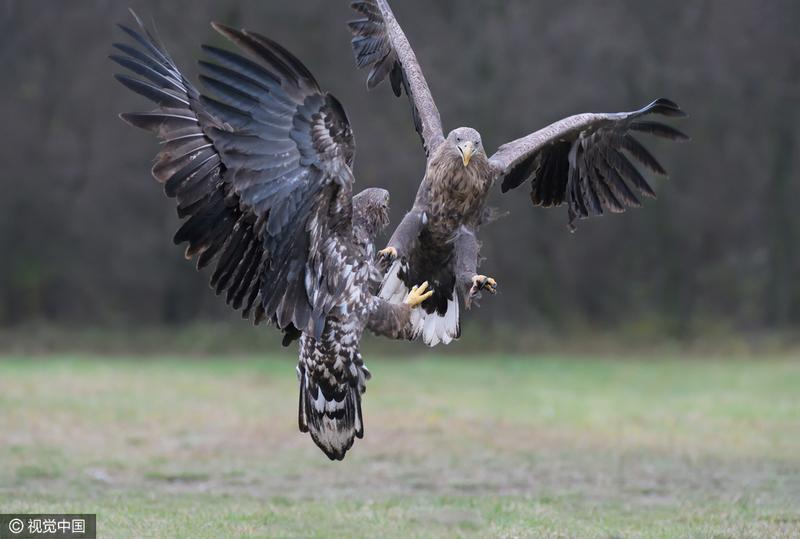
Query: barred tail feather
pixel 332 415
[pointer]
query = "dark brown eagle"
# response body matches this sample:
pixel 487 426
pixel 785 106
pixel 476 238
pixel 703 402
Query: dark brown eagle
pixel 582 161
pixel 261 170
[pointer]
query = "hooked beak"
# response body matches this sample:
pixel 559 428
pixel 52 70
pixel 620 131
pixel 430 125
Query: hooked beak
pixel 385 213
pixel 466 148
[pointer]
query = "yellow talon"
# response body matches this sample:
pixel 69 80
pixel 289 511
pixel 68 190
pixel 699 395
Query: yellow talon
pixel 418 294
pixel 388 253
pixel 480 282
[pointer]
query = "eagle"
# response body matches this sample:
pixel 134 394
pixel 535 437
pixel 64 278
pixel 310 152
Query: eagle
pixel 260 167
pixel 582 161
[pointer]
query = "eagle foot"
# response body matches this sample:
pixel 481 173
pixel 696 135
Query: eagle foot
pixel 386 257
pixel 482 282
pixel 388 254
pixel 417 295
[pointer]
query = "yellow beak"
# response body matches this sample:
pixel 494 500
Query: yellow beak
pixel 467 149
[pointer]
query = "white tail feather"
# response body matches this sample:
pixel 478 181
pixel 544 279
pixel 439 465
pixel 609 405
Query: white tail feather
pixel 393 289
pixel 434 328
pixel 437 328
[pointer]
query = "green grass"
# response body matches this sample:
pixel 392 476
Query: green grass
pixel 493 447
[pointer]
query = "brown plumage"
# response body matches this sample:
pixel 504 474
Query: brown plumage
pixel 260 168
pixel 582 161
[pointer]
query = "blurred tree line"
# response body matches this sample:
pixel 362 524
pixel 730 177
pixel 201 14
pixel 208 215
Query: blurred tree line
pixel 85 232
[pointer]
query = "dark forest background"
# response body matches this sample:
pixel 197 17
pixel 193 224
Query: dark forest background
pixel 85 233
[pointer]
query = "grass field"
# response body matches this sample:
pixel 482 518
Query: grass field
pixel 494 447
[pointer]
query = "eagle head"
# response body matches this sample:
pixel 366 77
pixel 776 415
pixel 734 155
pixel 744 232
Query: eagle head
pixel 466 143
pixel 371 210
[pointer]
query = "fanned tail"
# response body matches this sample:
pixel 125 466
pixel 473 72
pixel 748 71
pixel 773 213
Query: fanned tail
pixel 331 413
pixel 434 327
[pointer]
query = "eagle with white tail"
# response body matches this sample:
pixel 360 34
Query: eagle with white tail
pixel 581 161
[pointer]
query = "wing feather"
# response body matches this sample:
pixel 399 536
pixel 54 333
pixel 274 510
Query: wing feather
pixel 249 165
pixel 585 160
pixel 381 45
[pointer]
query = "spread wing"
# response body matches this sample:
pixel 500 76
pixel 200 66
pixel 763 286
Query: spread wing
pixel 380 44
pixel 258 171
pixel 584 160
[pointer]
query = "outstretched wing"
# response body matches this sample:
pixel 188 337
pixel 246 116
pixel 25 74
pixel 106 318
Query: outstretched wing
pixel 581 160
pixel 250 168
pixel 380 44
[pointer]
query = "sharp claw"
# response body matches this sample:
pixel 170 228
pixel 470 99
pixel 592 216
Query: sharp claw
pixel 490 285
pixel 482 282
pixel 388 254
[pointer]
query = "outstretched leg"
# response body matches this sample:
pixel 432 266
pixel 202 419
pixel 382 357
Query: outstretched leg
pixel 470 281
